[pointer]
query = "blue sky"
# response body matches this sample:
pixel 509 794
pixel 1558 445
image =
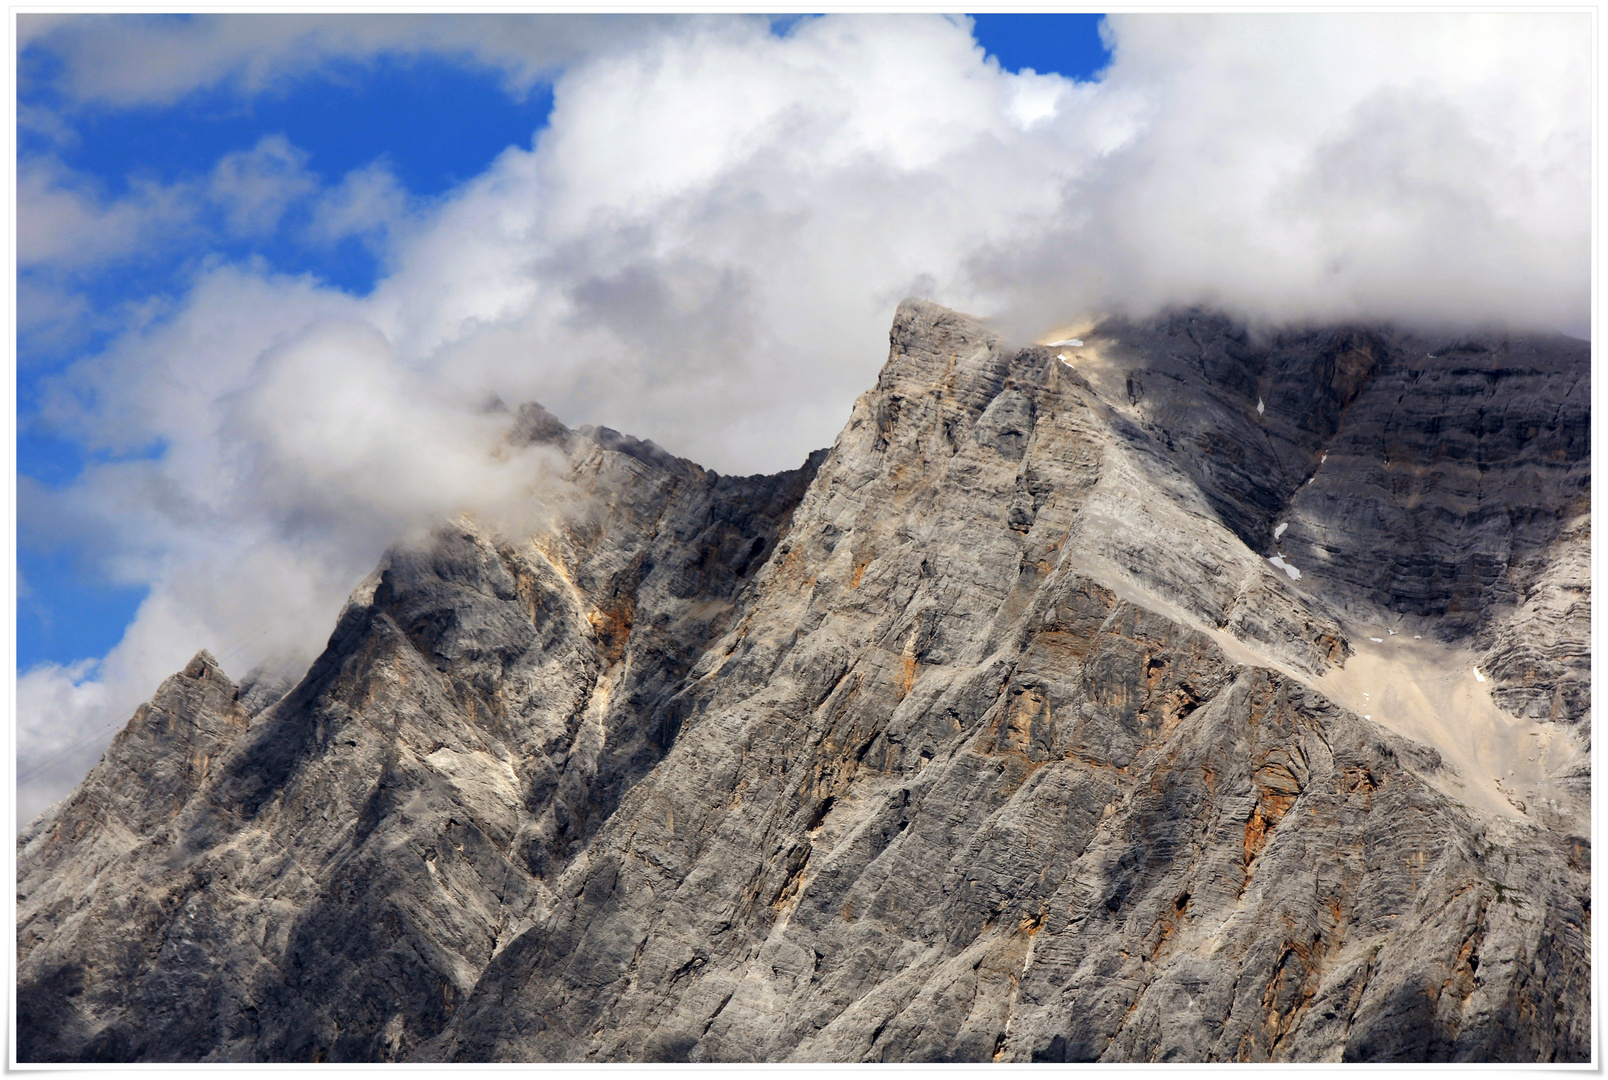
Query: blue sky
pixel 433 121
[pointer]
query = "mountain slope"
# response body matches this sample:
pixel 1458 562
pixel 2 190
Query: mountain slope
pixel 992 733
pixel 352 860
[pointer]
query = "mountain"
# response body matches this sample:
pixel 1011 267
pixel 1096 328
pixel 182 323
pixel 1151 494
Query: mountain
pixel 1181 694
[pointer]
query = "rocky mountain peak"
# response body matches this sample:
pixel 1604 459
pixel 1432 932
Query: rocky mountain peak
pixel 1179 694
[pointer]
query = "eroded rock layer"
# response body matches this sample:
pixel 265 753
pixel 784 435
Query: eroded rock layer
pixel 991 734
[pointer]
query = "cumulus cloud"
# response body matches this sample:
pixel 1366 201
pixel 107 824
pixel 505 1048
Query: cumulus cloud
pixel 1423 168
pixel 706 245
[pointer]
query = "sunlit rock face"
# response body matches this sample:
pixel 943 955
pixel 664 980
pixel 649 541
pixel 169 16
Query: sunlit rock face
pixel 992 733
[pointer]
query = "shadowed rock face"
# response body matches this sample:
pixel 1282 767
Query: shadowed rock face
pixel 1441 485
pixel 991 733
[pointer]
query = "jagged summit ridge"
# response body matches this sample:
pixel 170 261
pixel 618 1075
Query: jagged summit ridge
pixel 990 734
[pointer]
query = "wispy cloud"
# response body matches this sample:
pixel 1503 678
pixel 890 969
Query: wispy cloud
pixel 368 203
pixel 129 60
pixel 64 222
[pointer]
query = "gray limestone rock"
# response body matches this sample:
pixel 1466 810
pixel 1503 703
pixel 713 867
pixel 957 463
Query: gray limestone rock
pixel 992 733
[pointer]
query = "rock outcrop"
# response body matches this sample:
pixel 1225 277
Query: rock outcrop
pixel 993 733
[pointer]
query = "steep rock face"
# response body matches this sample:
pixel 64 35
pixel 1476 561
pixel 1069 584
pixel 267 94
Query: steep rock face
pixel 328 883
pixel 72 852
pixel 991 734
pixel 950 791
pixel 1438 486
pixel 1540 655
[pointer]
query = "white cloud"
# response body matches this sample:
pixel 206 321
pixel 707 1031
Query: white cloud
pixel 316 433
pixel 255 187
pixel 129 60
pixel 70 230
pixel 706 246
pixel 49 316
pixel 1035 99
pixel 64 222
pixel 47 124
pixel 368 203
pixel 62 724
pixel 1416 167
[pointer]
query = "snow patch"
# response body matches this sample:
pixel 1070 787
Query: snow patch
pixel 1259 408
pixel 1376 639
pixel 1072 341
pixel 1278 561
pixel 1478 677
pixel 1278 532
